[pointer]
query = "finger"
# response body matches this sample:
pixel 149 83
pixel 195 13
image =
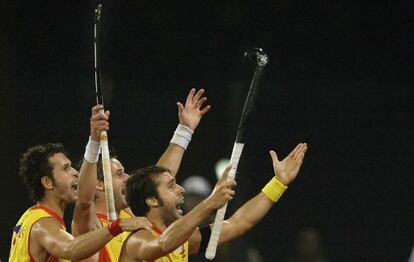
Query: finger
pixel 180 107
pixel 298 151
pixel 231 183
pixel 101 125
pixel 190 96
pixel 301 151
pixel 201 101
pixel 99 116
pixel 231 192
pixel 295 150
pixel 299 159
pixel 205 110
pixel 148 224
pixel 225 173
pixel 198 95
pixel 107 113
pixel 95 109
pixel 274 157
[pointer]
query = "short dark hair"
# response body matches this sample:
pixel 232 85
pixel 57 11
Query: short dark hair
pixel 141 185
pixel 35 164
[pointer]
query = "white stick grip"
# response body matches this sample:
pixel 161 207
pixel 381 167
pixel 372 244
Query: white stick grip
pixel 106 166
pixel 218 221
pixel 234 159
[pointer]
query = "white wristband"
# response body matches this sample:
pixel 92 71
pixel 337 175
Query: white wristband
pixel 182 136
pixel 92 151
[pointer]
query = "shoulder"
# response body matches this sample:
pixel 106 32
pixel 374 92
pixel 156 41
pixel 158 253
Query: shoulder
pixel 46 224
pixel 139 236
pixel 45 227
pixel 136 243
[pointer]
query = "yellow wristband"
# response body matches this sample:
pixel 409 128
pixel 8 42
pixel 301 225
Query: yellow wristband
pixel 274 189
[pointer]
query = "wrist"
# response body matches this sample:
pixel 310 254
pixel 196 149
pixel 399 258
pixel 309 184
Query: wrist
pixel 114 228
pixel 274 189
pixel 92 151
pixel 182 136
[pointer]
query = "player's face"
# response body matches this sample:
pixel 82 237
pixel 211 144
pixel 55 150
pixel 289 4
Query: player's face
pixel 65 178
pixel 172 196
pixel 119 178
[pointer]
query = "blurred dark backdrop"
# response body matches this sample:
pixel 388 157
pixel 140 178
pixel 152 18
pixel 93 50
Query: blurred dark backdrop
pixel 340 78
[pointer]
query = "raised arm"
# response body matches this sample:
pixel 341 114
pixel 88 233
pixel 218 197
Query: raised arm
pixel 142 245
pixel 84 212
pixel 59 243
pixel 189 117
pixel 256 208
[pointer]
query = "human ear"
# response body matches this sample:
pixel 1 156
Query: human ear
pixel 47 182
pixel 151 201
pixel 100 186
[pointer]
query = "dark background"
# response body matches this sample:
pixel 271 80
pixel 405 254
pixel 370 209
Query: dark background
pixel 340 78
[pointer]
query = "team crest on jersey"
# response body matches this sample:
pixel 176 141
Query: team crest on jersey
pixel 19 232
pixel 16 228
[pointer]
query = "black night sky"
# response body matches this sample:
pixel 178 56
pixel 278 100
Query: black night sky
pixel 340 78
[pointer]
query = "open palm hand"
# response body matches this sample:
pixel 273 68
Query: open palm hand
pixel 191 114
pixel 287 169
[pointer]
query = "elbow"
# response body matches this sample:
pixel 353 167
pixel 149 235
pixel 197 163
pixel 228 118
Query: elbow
pixel 77 256
pixel 74 252
pixel 246 226
pixel 241 231
pixel 68 253
pixel 241 228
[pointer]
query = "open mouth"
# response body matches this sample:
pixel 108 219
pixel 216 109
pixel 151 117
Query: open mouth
pixel 180 202
pixel 75 188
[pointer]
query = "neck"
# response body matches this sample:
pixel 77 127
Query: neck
pixel 57 206
pixel 156 220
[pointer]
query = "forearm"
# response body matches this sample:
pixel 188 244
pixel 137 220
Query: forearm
pixel 171 158
pixel 87 183
pixel 181 230
pixel 88 244
pixel 253 211
pixel 246 217
pixel 83 220
pixel 84 212
pixel 173 155
pixel 88 173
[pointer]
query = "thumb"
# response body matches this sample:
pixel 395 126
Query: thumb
pixel 180 107
pixel 225 173
pixel 273 155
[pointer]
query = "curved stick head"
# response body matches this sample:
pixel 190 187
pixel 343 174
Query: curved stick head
pixel 98 13
pixel 258 55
